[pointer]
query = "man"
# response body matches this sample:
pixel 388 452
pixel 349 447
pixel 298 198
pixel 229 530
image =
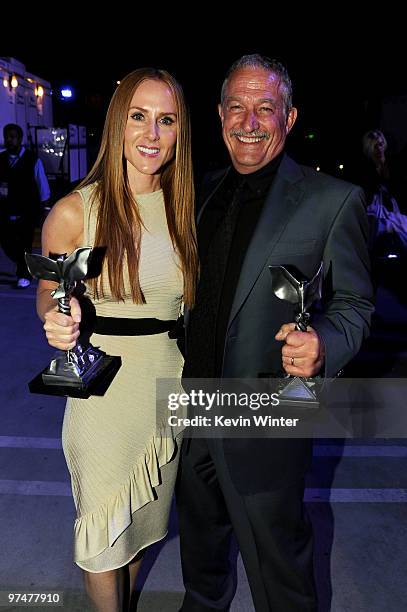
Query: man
pixel 23 188
pixel 264 210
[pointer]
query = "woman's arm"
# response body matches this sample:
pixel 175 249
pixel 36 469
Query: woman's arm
pixel 62 233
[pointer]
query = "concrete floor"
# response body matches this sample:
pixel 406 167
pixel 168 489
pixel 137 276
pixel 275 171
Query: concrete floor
pixel 356 491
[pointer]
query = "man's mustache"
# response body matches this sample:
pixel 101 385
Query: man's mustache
pixel 255 134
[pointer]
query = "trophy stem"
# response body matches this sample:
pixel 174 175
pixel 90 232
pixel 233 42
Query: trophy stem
pixel 302 320
pixel 63 305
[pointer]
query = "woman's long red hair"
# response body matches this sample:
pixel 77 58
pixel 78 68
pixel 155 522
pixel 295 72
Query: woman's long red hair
pixel 118 221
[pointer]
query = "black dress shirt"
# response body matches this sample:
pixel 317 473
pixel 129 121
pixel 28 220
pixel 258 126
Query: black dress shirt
pixel 223 239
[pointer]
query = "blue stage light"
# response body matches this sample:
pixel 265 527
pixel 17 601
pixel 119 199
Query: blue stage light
pixel 66 92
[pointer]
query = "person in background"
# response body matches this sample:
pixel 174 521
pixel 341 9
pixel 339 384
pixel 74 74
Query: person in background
pixel 24 189
pixel 383 178
pixel 377 168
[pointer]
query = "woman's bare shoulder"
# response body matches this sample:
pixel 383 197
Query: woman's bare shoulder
pixel 64 223
pixel 68 208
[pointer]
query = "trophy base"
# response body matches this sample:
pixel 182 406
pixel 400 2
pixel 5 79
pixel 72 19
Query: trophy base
pixel 297 394
pixel 97 384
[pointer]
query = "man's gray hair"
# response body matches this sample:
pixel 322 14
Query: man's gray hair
pixel 255 60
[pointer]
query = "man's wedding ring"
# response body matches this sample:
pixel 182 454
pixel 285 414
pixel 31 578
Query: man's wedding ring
pixel 292 361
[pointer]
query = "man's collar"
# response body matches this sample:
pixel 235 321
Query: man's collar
pixel 19 154
pixel 260 179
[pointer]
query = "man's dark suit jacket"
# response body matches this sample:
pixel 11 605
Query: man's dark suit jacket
pixel 308 217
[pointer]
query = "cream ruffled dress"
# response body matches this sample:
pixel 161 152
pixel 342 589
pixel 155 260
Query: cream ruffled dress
pixel 121 454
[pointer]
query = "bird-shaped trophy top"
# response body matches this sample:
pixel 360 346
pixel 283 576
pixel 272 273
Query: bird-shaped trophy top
pixel 291 286
pixel 65 270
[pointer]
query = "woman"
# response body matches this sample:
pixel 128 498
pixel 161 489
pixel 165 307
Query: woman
pixel 138 202
pixel 382 184
pixel 376 171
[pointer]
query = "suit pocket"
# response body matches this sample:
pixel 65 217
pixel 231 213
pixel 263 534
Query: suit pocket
pixel 293 247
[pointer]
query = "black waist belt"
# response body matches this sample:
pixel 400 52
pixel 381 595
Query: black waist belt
pixel 116 326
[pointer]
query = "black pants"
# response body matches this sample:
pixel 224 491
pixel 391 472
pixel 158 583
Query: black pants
pixel 16 238
pixel 272 530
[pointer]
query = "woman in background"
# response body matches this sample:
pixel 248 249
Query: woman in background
pixel 377 170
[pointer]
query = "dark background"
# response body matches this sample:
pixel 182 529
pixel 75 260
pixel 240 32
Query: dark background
pixel 343 73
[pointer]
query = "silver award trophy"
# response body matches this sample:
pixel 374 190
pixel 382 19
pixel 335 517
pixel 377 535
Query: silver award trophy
pixel 84 370
pixel 290 285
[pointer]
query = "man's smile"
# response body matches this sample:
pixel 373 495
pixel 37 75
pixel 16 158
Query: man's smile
pixel 250 139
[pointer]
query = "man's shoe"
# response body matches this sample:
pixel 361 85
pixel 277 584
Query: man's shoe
pixel 22 283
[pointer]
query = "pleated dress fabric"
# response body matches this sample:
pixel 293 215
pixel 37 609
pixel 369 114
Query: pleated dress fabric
pixel 121 453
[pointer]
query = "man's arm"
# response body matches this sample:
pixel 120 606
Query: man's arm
pixel 348 295
pixel 337 332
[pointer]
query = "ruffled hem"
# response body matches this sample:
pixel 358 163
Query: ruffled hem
pixel 95 531
pixel 123 563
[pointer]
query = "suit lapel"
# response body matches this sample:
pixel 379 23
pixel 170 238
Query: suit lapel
pixel 218 180
pixel 280 204
pixel 211 192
